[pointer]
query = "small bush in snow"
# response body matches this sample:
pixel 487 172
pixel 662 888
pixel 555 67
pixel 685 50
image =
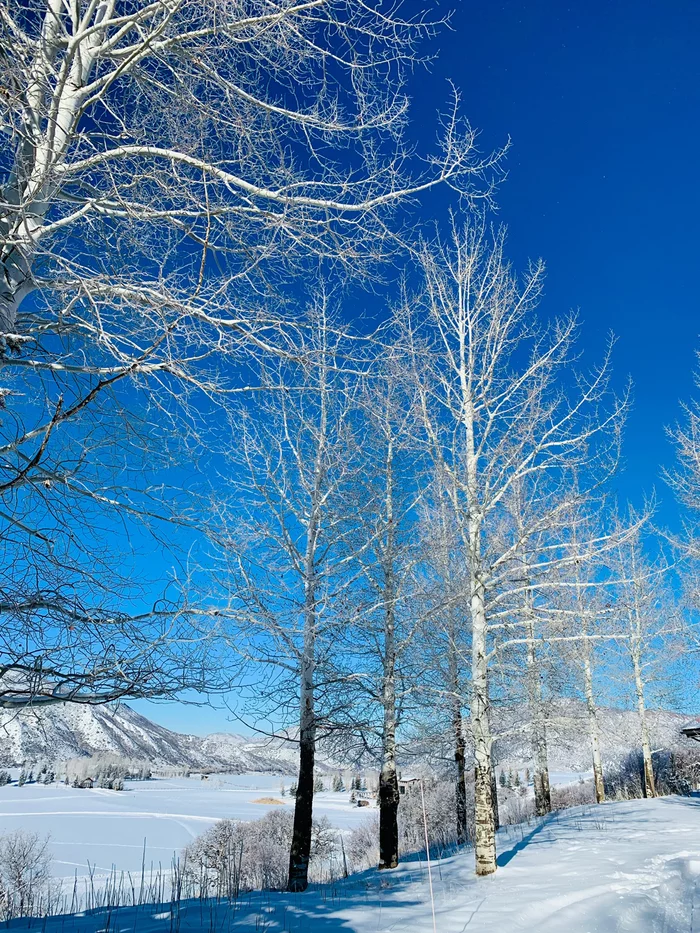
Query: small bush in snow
pixel 251 856
pixel 363 843
pixel 24 872
pixel 572 795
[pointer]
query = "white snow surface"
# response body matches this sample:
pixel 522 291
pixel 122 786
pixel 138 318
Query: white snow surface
pixel 110 828
pixel 627 866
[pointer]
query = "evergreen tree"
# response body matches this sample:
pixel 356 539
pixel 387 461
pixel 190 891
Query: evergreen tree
pixel 22 779
pixel 293 789
pixel 502 780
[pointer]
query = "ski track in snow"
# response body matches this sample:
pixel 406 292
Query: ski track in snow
pixel 628 867
pixel 160 817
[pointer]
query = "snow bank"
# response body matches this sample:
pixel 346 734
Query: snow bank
pixel 628 866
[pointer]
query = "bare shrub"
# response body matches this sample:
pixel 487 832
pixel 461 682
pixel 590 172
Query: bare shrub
pixel 24 872
pixel 674 773
pixel 440 817
pixel 573 795
pixel 252 856
pixel 363 844
pixel 516 809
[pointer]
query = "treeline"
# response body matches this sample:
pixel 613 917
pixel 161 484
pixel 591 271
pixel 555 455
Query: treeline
pixel 421 531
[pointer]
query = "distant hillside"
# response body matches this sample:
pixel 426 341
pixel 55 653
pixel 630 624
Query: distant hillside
pixel 68 730
pixel 567 734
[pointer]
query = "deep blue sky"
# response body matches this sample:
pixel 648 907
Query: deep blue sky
pixel 601 101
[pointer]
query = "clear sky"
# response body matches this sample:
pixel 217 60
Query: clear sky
pixel 601 102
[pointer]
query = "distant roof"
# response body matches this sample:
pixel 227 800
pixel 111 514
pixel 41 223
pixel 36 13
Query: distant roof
pixel 692 731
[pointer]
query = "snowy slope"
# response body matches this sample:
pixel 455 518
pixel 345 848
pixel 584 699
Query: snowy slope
pixel 632 866
pixel 67 730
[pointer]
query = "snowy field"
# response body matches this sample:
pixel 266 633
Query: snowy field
pixel 632 866
pixel 105 828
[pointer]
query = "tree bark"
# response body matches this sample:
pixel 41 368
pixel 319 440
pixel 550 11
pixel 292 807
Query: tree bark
pixel 303 809
pixel 593 727
pixel 649 783
pixel 388 778
pixel 543 798
pixel 484 828
pixel 460 779
pixel 494 797
pixel 300 851
pixel 388 811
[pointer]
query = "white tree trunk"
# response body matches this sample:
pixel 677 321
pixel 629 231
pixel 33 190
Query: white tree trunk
pixel 543 799
pixel 484 827
pixel 593 726
pixel 649 783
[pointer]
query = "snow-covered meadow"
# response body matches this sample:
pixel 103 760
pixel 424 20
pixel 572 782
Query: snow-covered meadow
pixel 626 866
pixel 96 831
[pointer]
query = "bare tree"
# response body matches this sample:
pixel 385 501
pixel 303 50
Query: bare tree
pixel 284 541
pixel 647 614
pixel 187 134
pixel 165 165
pixel 496 415
pixel 446 635
pixel 388 608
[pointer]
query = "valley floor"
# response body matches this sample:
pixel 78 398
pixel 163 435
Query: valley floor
pixel 93 831
pixel 630 866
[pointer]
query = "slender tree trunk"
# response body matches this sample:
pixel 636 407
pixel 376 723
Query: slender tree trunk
pixel 300 851
pixel 543 798
pixel 388 778
pixel 484 828
pixel 649 783
pixel 459 753
pixel 593 727
pixel 458 735
pixel 494 796
pixel 389 796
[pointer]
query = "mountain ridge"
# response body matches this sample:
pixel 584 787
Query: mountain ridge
pixel 64 731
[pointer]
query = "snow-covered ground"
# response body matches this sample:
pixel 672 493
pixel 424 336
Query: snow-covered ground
pixel 108 828
pixel 632 866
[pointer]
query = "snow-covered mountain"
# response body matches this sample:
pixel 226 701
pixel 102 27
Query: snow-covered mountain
pixel 68 730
